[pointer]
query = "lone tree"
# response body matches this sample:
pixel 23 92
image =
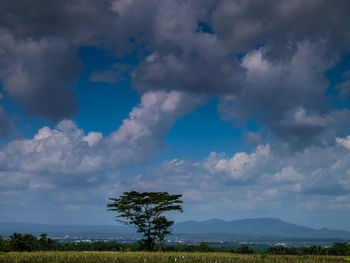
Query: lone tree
pixel 144 210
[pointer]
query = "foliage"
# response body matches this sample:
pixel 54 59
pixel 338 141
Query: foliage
pixel 205 247
pixel 4 246
pixel 244 249
pixel 160 229
pixel 28 242
pixel 45 243
pixel 21 242
pixel 144 210
pixel 338 249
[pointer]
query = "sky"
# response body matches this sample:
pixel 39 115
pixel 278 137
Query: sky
pixel 241 106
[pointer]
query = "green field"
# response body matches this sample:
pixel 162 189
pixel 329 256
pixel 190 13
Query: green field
pixel 154 257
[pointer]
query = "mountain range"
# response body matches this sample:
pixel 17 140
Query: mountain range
pixel 267 227
pixel 262 226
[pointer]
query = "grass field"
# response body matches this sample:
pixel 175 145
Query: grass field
pixel 158 257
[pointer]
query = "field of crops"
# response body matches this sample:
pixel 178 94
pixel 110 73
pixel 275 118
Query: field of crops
pixel 158 257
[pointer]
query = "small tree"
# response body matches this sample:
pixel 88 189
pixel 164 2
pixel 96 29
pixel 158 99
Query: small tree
pixel 244 249
pixel 144 210
pixel 4 244
pixel 19 242
pixel 161 229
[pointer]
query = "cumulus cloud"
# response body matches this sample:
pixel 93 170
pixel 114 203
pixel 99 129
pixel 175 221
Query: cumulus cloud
pixel 77 23
pixel 288 173
pixel 185 58
pixel 147 124
pixel 39 45
pixel 65 158
pixel 249 23
pixel 66 149
pixel 282 83
pixel 40 74
pixel 264 61
pixel 314 180
pixel 238 167
pixel 287 96
pixel 344 141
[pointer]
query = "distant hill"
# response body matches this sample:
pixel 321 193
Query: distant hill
pixel 263 227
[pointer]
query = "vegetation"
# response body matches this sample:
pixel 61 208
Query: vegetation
pixel 161 257
pixel 144 210
pixel 27 242
pixel 338 249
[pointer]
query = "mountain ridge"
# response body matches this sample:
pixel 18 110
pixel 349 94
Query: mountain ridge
pixel 259 226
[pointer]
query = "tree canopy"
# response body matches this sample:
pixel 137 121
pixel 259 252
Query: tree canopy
pixel 144 210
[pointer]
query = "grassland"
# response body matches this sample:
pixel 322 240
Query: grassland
pixel 158 257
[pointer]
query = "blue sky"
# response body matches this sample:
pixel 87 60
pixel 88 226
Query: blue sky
pixel 243 110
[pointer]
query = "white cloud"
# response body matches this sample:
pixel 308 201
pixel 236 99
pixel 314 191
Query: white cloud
pixel 288 173
pixel 67 149
pixel 142 134
pixel 259 69
pixel 92 138
pixel 344 141
pixel 239 166
pixel 287 96
pixel 263 180
pixel 64 164
pixel 316 179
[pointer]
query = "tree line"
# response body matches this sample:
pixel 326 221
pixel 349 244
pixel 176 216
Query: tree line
pixel 28 242
pixel 337 249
